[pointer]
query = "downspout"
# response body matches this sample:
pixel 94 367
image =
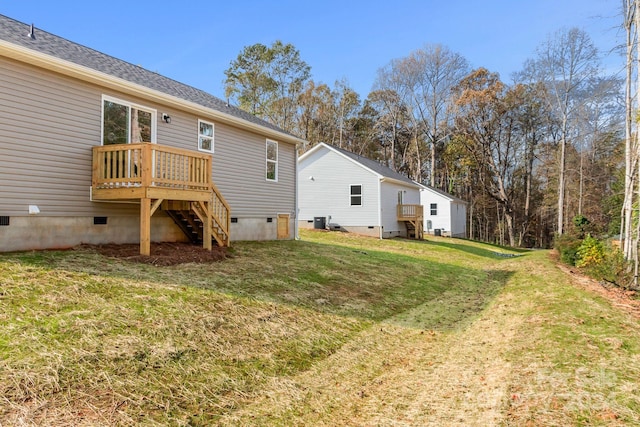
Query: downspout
pixel 296 233
pixel 380 207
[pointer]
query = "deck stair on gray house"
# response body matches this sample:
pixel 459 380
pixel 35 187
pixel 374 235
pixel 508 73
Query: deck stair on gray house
pixel 189 217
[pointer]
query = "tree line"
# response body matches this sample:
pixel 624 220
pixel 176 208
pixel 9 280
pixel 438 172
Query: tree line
pixel 529 156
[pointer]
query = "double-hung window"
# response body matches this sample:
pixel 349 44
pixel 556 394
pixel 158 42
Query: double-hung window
pixel 272 160
pixel 355 193
pixel 433 209
pixel 205 136
pixel 125 123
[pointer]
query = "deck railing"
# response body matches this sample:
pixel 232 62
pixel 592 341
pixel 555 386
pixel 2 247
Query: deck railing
pixel 152 171
pixel 410 212
pixel 150 165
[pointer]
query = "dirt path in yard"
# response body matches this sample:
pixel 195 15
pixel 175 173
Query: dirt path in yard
pixel 395 375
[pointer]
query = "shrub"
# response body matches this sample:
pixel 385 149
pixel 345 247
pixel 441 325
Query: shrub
pixel 580 222
pixel 601 261
pixel 590 253
pixel 567 246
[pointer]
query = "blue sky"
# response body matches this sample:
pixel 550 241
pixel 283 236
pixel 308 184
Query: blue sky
pixel 195 41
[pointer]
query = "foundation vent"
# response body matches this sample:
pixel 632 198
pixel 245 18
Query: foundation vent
pixel 4 220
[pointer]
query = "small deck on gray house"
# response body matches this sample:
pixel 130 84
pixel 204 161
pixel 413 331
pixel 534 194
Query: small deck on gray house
pixel 413 218
pixel 178 181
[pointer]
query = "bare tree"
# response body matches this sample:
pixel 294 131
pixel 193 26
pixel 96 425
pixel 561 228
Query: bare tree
pixel 435 71
pixel 565 63
pixel 486 123
pixel 533 118
pixel 424 81
pixel 391 126
pixel 630 236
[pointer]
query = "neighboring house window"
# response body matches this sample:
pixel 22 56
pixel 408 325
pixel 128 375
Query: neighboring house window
pixel 434 209
pixel 272 160
pixel 125 123
pixel 356 195
pixel 205 136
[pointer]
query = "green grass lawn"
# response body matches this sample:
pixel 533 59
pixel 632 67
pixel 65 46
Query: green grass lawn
pixel 333 329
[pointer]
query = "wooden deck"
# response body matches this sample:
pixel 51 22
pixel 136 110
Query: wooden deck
pixel 413 217
pixel 154 174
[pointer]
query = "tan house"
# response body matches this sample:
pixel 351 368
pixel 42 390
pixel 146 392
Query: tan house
pixel 97 150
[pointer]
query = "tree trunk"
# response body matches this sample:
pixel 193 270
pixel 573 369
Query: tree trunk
pixel 631 144
pixel 432 178
pixel 508 216
pixel 561 176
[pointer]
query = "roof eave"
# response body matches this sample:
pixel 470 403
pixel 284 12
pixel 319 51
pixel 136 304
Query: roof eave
pixel 398 181
pixel 71 69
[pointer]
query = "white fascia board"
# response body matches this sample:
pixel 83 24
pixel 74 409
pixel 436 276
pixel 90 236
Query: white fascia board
pixel 311 151
pixel 99 78
pixel 447 196
pixel 416 186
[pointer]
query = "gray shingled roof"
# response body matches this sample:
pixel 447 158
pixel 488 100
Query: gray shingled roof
pixel 375 166
pixel 387 172
pixel 16 32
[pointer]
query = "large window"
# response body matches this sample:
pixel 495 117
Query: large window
pixel 272 160
pixel 124 123
pixel 205 136
pixel 356 195
pixel 434 209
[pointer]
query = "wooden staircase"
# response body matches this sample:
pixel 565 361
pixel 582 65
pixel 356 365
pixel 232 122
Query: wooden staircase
pixel 161 177
pixel 414 232
pixel 191 218
pixel 413 218
pixel 189 223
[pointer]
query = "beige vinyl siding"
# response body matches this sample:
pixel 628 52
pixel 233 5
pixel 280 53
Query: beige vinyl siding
pixel 239 162
pixel 239 170
pixel 49 122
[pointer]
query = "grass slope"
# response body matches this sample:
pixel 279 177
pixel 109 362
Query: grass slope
pixel 331 330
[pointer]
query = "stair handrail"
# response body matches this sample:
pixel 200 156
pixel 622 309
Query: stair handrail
pixel 220 214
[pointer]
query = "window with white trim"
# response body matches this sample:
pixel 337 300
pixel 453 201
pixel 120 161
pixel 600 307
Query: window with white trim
pixel 126 123
pixel 272 160
pixel 355 194
pixel 433 208
pixel 205 136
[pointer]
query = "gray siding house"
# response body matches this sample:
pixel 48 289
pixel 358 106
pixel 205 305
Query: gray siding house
pixel 97 150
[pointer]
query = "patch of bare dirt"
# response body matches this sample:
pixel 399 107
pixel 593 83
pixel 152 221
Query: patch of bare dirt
pixel 163 254
pixel 623 299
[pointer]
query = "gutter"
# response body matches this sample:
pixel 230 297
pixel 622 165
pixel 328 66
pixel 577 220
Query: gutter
pixel 296 232
pixel 380 225
pixel 398 181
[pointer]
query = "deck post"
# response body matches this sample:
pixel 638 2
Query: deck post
pixel 206 227
pixel 145 226
pixel 152 173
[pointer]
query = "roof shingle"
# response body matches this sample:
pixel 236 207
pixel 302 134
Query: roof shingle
pixel 375 166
